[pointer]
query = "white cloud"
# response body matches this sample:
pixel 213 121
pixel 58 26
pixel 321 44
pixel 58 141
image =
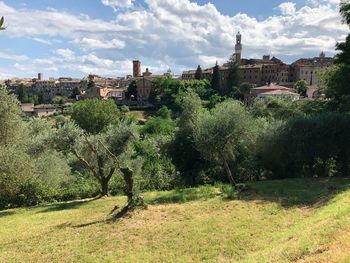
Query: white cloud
pixel 116 4
pixel 287 8
pixel 90 43
pixel 176 33
pixel 65 53
pixel 11 56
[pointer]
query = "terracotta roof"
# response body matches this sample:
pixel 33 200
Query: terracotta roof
pixel 272 87
pixel 279 92
pixel 44 106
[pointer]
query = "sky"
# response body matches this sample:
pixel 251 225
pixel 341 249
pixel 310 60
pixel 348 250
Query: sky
pixel 65 38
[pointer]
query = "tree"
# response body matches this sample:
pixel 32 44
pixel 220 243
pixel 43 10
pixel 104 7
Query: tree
pixel 241 91
pixel 215 81
pixel 182 150
pixel 131 93
pixel 301 87
pixel 336 80
pixel 10 119
pixel 168 92
pixel 343 57
pixel 275 109
pixel 226 134
pixel 91 82
pixel 22 94
pixel 2 20
pixel 233 75
pixel 199 74
pixel 76 92
pixel 99 153
pixel 95 115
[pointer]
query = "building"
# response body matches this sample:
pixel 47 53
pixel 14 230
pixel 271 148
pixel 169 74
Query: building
pixel 238 48
pixel 271 90
pixel 309 69
pixel 269 70
pixel 41 110
pixel 28 109
pixel 136 68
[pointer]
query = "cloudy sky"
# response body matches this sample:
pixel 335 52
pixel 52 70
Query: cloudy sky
pixel 76 38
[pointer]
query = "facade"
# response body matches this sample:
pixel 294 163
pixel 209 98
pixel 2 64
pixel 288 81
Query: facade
pixel 309 69
pixel 44 110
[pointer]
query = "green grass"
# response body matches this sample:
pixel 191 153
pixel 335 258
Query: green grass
pixel 276 221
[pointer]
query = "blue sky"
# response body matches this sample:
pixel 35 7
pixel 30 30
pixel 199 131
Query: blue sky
pixel 76 38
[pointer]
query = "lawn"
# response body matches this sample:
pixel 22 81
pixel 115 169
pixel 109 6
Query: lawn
pixel 275 221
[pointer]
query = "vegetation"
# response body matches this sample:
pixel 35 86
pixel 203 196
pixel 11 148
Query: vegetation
pixel 301 87
pixel 94 115
pixel 131 93
pixel 196 135
pixel 199 73
pixel 277 221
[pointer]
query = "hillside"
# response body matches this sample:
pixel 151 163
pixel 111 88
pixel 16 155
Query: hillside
pixel 276 221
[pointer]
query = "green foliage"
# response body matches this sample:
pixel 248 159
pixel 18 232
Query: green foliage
pixel 304 144
pixel 199 73
pixel 95 115
pixel 166 92
pixel 215 81
pixel 301 87
pixel 271 108
pixel 233 78
pixel 158 125
pixel 132 91
pixel 164 113
pixel 239 92
pixel 336 86
pixel 182 150
pixel 225 135
pixel 157 171
pixel 11 125
pixel 76 92
pixel 201 87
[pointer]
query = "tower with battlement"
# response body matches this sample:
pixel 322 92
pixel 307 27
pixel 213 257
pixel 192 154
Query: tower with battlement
pixel 238 48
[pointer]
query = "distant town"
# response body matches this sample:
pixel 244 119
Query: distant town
pixel 269 75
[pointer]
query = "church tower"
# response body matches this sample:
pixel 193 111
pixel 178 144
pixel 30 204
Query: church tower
pixel 238 48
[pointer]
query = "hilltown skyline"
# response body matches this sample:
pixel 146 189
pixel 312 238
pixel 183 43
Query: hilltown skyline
pixel 105 38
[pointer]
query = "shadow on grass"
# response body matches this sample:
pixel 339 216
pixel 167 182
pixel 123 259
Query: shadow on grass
pixel 183 195
pixel 6 213
pixel 312 192
pixel 67 206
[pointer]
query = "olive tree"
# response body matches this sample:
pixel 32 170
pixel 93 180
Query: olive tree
pixel 99 153
pixel 225 133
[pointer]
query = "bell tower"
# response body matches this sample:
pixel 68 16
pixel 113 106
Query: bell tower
pixel 238 48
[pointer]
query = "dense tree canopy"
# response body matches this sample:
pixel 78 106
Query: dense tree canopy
pixel 95 115
pixel 225 133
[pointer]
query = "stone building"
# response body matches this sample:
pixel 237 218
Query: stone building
pixel 264 71
pixel 309 69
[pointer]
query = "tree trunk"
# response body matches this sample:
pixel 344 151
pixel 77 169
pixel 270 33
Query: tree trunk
pixel 129 181
pixel 229 173
pixel 104 187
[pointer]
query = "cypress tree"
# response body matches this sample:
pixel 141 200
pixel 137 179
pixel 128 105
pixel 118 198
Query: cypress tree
pixel 215 81
pixel 199 73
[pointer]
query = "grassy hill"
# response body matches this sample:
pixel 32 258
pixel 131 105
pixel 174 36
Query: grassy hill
pixel 276 221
